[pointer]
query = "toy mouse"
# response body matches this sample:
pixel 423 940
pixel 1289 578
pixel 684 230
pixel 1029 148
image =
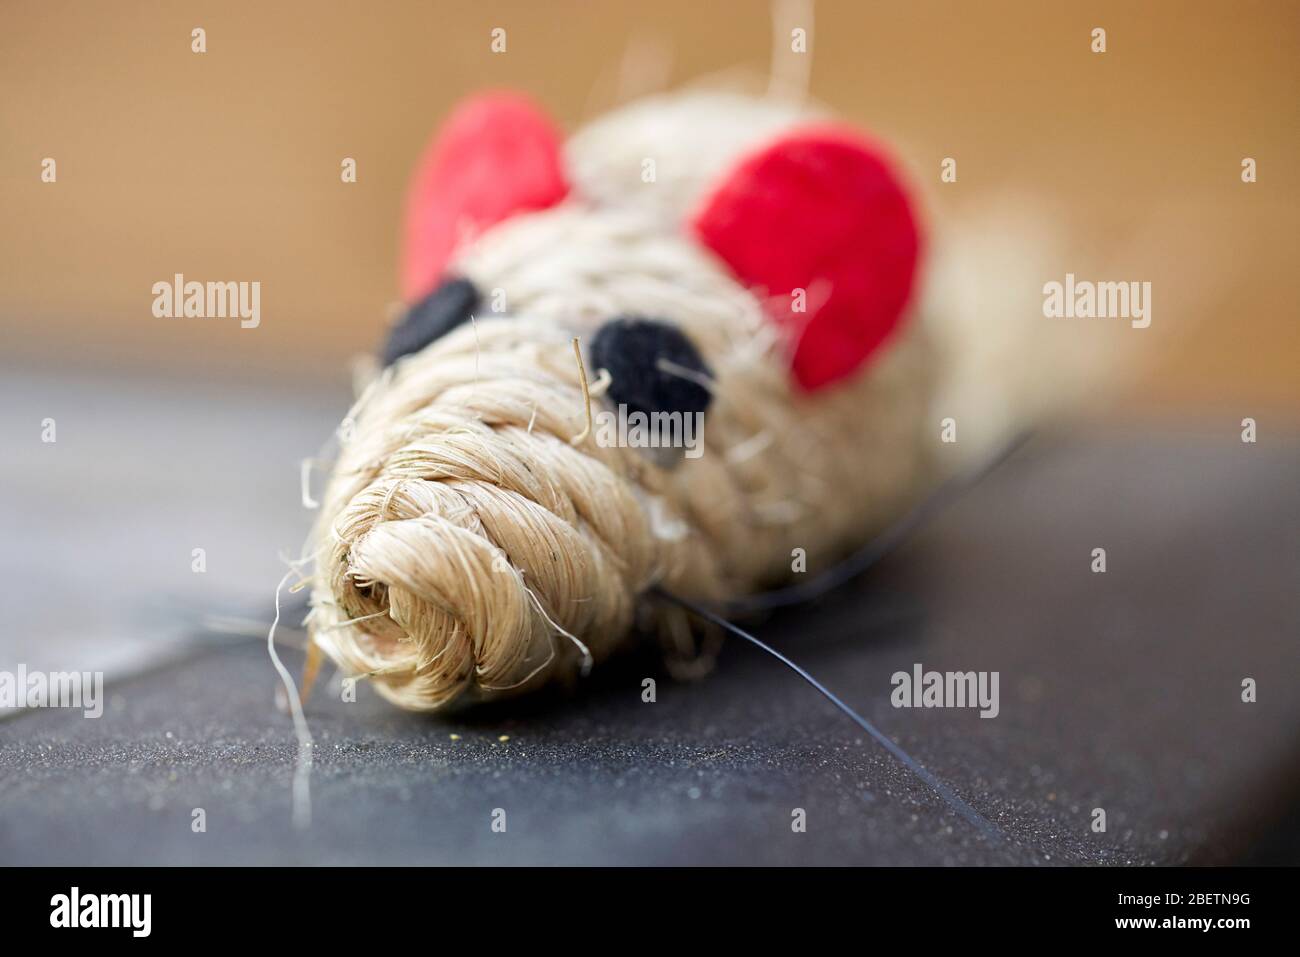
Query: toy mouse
pixel 733 261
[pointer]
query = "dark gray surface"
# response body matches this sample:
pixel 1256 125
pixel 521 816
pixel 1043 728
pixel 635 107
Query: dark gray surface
pixel 1119 691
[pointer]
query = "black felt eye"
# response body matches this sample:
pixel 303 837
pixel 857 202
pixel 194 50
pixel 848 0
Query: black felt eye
pixel 653 367
pixel 432 317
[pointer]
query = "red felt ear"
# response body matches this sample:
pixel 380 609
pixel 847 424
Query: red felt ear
pixel 495 156
pixel 820 210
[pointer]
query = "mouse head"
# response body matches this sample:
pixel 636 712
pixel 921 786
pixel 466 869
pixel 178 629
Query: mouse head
pixel 716 260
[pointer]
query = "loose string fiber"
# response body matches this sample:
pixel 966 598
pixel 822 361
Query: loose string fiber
pixel 964 810
pixel 303 759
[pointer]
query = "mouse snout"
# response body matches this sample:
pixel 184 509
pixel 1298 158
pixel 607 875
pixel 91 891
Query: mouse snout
pixel 476 537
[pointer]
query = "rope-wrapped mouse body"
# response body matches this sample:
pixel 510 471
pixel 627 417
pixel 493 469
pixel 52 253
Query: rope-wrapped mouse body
pixel 727 260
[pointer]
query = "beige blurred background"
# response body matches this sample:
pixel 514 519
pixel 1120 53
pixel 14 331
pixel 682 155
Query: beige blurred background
pixel 226 165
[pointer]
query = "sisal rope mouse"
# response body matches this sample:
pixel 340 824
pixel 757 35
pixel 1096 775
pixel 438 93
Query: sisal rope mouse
pixel 740 260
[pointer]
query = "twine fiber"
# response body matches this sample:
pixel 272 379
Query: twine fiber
pixel 468 549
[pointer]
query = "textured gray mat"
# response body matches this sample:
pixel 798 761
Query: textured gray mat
pixel 1119 691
